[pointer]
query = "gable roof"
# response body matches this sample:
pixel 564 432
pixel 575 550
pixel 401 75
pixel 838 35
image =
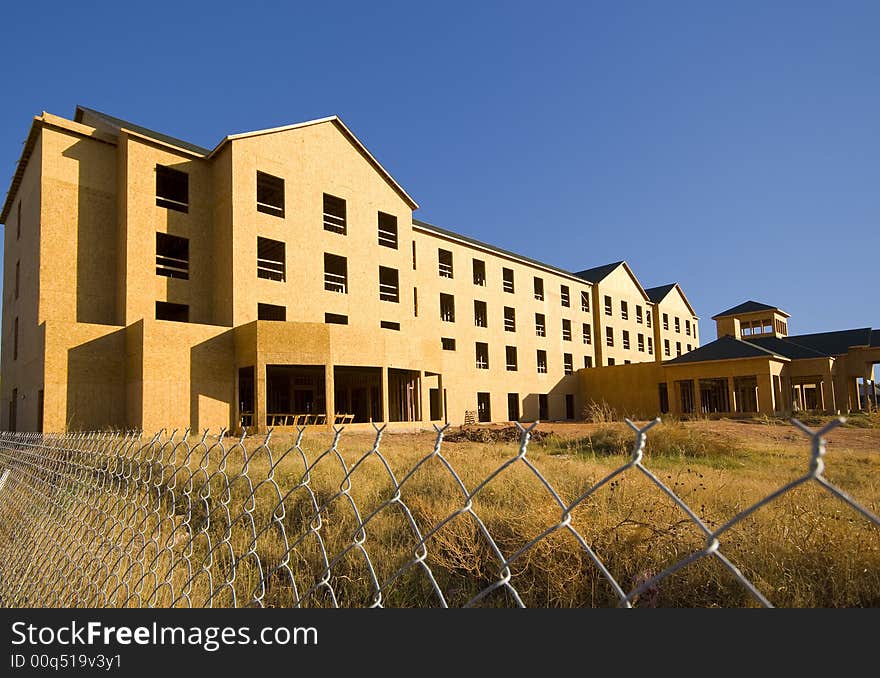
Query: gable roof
pixel 658 294
pixel 89 116
pixel 749 307
pixel 599 273
pixel 725 348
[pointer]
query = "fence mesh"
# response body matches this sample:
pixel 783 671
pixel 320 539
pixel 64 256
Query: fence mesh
pixel 119 520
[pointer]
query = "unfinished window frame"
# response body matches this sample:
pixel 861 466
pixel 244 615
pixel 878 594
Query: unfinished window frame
pixel 585 301
pixel 386 226
pixel 509 319
pixel 270 268
pixel 609 336
pixel 445 263
pixel 172 188
pixel 270 194
pixel 540 325
pixel 587 331
pixel 479 271
pixel 335 214
pixel 624 310
pixel 481 355
pixel 565 296
pixel 541 361
pixel 172 256
pixel 335 319
pixel 271 312
pixel 171 312
pixel 538 288
pixel 609 305
pixel 566 329
pixel 625 340
pixel 481 313
pixel 389 284
pixel 567 364
pixel 507 280
pixel 511 365
pixel 447 343
pixel 335 273
pixel 447 307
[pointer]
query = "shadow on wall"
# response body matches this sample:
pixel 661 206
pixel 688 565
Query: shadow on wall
pixel 96 246
pixel 212 383
pixel 96 384
pixel 552 406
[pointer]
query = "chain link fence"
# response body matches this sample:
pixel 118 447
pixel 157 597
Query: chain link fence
pixel 118 520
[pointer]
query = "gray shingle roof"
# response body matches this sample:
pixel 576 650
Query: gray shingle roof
pixel 598 273
pixel 833 343
pixel 725 348
pixel 748 307
pixel 657 294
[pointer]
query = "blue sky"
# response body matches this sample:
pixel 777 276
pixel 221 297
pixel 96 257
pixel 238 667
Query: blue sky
pixel 732 147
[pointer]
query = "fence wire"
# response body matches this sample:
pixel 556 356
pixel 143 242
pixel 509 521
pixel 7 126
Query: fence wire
pixel 118 520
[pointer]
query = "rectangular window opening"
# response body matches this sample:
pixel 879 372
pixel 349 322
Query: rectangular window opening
pixel 479 272
pixel 447 308
pixel 448 343
pixel 389 325
pixel 566 330
pixel 172 256
pixel 444 263
pixel 335 273
pixel 507 279
pixel 608 306
pixel 389 285
pixel 271 312
pixel 564 295
pixel 335 319
pixel 334 214
pixel 542 361
pixel 270 194
pixel 510 354
pixel 480 314
pixel 178 313
pixel 540 325
pixel 539 289
pixel 585 301
pixel 509 319
pixel 567 363
pixel 482 355
pixel 387 230
pixel 172 188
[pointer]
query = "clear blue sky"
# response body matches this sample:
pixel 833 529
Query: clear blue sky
pixel 732 147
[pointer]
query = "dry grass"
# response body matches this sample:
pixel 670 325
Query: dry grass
pixel 805 549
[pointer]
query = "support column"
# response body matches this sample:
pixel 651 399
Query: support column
pixel 424 398
pixel 442 395
pixel 731 395
pixel 674 395
pixel 260 397
pixel 820 394
pixel 329 395
pixel 853 386
pixel 765 393
pixel 697 403
pixel 384 394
